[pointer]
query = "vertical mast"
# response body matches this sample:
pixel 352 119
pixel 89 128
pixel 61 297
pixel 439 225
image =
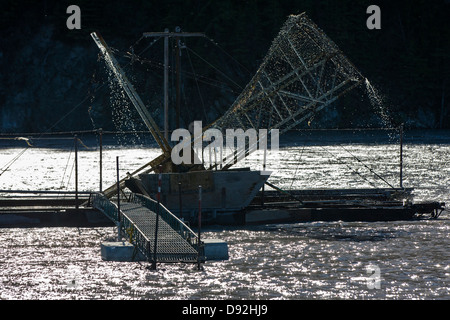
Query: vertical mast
pixel 178 80
pixel 166 86
pixel 177 35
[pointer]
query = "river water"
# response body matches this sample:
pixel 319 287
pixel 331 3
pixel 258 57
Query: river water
pixel 317 260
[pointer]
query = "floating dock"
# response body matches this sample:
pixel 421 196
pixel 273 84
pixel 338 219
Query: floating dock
pixel 39 209
pixel 47 210
pixel 338 204
pixel 292 206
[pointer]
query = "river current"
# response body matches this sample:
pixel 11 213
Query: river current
pixel 316 260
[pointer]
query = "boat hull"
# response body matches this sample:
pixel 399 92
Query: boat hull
pixel 222 191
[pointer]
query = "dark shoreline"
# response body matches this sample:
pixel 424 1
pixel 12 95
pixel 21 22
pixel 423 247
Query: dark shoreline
pixel 311 137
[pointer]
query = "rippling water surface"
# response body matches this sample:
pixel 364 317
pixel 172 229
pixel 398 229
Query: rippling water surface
pixel 325 260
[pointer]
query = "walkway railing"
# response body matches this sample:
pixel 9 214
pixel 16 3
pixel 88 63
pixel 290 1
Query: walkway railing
pixel 175 223
pixel 102 203
pixel 176 242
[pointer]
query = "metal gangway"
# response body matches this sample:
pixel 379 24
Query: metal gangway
pixel 145 222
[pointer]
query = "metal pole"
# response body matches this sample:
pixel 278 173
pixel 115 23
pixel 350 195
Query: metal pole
pixel 178 79
pixel 119 237
pixel 215 158
pixel 401 156
pixel 210 157
pixel 166 85
pixel 179 198
pixel 166 34
pixel 199 224
pixel 76 172
pixel 264 170
pixel 100 133
pixel 155 247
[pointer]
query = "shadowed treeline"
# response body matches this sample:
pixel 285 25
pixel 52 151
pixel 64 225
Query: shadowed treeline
pixel 50 78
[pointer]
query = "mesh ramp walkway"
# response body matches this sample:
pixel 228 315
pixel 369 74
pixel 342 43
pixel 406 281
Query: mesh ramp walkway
pixel 176 242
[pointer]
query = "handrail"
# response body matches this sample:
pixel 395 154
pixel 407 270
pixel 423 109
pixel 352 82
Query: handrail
pixel 174 222
pixel 109 208
pixel 102 203
pixel 137 237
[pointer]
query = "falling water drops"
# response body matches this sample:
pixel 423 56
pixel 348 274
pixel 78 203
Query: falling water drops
pixel 122 113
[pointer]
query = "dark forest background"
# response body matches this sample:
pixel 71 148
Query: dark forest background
pixel 52 80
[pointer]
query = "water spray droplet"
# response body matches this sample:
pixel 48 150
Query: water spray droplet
pixel 377 101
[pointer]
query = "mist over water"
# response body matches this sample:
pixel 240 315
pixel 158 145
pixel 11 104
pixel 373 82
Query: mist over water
pixel 326 260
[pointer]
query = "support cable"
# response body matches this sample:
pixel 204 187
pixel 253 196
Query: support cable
pixel 229 55
pixel 215 68
pixel 367 167
pixel 196 82
pixel 298 165
pixel 364 178
pixel 65 169
pixel 11 162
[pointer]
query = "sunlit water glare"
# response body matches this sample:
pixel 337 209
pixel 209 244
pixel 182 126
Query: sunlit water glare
pixel 325 260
